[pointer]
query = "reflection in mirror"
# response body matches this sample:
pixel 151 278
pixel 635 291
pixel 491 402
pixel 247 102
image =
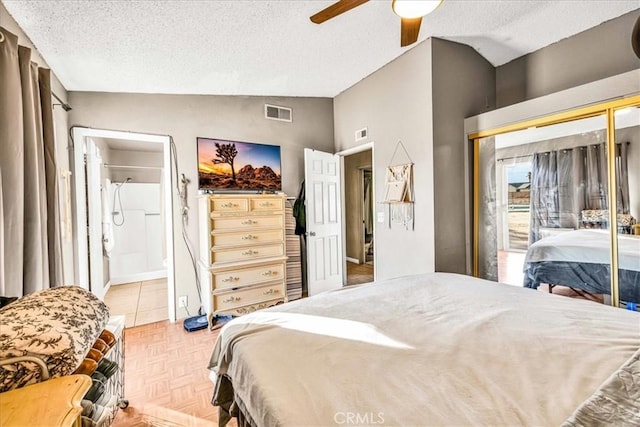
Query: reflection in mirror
pixel 545 226
pixel 627 137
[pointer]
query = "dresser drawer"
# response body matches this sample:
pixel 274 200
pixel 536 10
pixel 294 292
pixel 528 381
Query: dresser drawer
pixel 247 238
pixel 247 254
pixel 229 205
pixel 261 204
pixel 254 222
pixel 230 300
pixel 247 276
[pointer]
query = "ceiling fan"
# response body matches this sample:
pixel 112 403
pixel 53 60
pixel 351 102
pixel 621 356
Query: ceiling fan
pixel 410 12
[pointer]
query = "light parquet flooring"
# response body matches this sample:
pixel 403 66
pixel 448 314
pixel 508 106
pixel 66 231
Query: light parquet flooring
pixel 166 377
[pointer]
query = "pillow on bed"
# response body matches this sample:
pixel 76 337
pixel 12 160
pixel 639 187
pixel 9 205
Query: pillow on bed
pixel 58 325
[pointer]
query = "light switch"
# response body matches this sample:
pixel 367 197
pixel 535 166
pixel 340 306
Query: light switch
pixel 381 217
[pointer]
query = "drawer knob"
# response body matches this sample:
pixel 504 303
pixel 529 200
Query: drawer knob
pixel 249 252
pixel 228 205
pixel 230 279
pixel 265 204
pixel 270 292
pixel 269 273
pixel 231 299
pixel 249 222
pixel 249 237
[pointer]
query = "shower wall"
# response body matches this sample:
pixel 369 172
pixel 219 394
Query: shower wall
pixel 139 243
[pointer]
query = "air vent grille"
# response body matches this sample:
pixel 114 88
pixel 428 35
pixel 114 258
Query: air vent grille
pixel 361 134
pixel 275 112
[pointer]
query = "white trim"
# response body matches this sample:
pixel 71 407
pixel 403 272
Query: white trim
pixel 349 151
pixel 353 260
pixel 169 218
pixel 139 277
pixel 357 149
pixel 79 198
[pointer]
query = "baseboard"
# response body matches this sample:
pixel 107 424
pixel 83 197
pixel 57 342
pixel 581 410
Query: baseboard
pixel 353 260
pixel 139 277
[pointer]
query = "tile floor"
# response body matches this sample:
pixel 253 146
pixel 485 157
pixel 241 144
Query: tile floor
pixel 140 302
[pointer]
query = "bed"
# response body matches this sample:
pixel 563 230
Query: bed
pixel 580 259
pixel 433 349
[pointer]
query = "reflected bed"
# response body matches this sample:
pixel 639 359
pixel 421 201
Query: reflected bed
pixel 436 349
pixel 580 259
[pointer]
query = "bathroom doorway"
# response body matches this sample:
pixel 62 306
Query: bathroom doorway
pixel 129 221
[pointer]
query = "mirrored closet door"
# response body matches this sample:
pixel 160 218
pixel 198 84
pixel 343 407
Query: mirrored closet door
pixel 546 194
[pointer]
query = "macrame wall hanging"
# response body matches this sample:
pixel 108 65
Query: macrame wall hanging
pixel 398 191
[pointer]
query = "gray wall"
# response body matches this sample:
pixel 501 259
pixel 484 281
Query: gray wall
pixel 61 125
pixel 422 99
pixel 395 104
pixel 463 86
pixel 186 117
pixel 600 52
pixel 353 193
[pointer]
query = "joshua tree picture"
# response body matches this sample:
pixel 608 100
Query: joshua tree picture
pixel 236 165
pixel 226 153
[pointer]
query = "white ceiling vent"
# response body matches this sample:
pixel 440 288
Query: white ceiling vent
pixel 361 134
pixel 275 112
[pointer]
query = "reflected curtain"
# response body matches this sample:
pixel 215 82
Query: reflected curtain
pixel 30 243
pixel 565 182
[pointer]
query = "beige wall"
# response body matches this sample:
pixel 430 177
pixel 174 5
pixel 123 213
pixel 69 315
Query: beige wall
pixel 186 117
pixel 353 192
pixel 60 118
pixel 594 54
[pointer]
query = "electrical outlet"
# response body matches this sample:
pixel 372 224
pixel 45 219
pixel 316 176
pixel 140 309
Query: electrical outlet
pixel 182 301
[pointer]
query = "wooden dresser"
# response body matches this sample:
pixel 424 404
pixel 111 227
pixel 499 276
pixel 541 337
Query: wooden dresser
pixel 242 252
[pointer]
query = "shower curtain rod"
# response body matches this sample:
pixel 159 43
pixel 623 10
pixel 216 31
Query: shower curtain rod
pixel 108 165
pixel 64 105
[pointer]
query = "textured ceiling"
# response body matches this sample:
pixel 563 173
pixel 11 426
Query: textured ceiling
pixel 270 47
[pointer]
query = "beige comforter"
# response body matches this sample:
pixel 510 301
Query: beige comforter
pixel 438 349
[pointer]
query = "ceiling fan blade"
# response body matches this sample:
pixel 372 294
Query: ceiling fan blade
pixel 409 30
pixel 335 9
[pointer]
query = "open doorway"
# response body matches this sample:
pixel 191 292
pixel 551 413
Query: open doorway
pixel 513 176
pixel 358 212
pixel 127 260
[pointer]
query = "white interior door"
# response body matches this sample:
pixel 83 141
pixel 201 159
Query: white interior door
pixel 94 204
pixel 324 221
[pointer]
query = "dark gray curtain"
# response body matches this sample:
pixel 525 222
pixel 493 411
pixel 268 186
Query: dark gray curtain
pixel 622 178
pixel 30 244
pixel 565 182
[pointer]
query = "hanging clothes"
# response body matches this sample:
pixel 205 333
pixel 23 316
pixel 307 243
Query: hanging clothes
pixel 368 204
pixel 299 213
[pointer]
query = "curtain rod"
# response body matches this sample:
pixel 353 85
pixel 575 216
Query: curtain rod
pixel 64 105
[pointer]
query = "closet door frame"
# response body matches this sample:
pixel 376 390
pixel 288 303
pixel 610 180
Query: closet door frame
pixel 607 108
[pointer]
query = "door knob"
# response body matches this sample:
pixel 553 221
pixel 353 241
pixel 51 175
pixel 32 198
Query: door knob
pixel 312 233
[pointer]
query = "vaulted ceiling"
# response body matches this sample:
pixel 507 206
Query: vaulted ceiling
pixel 253 47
